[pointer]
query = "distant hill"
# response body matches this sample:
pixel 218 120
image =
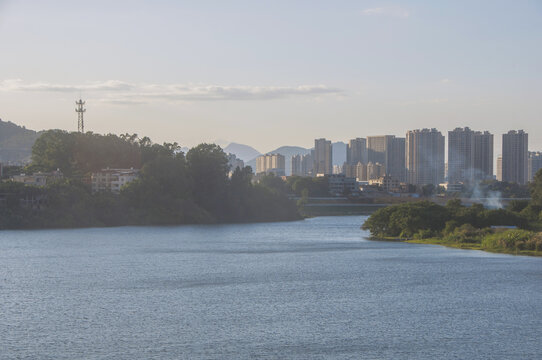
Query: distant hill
pixel 16 142
pixel 243 152
pixel 339 155
pixel 289 151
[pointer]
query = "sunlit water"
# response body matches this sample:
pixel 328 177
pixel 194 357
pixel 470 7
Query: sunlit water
pixel 312 289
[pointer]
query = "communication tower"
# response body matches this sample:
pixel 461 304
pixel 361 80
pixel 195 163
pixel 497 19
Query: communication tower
pixel 80 110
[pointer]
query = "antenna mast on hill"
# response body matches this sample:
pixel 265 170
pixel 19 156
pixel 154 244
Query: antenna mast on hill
pixel 80 111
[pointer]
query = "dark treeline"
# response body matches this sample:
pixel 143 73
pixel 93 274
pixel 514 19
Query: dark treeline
pixel 173 187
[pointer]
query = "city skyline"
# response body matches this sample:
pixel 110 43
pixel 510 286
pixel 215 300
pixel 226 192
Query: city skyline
pixel 417 159
pixel 215 72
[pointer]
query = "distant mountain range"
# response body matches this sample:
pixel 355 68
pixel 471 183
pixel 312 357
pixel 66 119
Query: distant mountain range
pixel 243 152
pixel 339 155
pixel 16 143
pixel 287 151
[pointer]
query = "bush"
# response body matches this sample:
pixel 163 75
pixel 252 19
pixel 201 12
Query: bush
pixel 509 239
pixel 466 233
pixel 450 227
pixel 424 234
pixel 534 243
pixel 531 212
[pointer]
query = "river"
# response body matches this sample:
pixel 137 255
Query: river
pixel 312 289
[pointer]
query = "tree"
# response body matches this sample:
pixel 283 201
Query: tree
pixel 171 189
pixel 274 183
pixel 240 194
pixel 428 190
pixel 208 166
pixel 54 150
pixel 535 188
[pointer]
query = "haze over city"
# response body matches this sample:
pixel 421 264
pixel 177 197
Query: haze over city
pixel 272 74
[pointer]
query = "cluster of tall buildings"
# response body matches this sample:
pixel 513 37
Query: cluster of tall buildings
pixel 271 163
pixel 419 158
pixel 302 165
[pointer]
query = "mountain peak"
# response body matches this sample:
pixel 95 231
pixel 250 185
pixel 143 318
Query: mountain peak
pixel 243 152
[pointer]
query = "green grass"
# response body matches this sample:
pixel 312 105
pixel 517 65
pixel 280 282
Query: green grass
pixel 472 246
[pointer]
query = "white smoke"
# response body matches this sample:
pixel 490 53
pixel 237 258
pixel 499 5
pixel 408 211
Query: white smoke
pixel 490 199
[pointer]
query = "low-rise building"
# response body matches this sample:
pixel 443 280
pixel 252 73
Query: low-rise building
pixel 339 185
pixel 112 179
pixel 39 178
pixel 374 171
pixel 387 183
pixel 453 188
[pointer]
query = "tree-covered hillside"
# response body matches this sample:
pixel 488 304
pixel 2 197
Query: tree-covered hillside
pixel 173 188
pixel 15 142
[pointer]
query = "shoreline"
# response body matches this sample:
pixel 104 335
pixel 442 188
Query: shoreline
pixel 463 246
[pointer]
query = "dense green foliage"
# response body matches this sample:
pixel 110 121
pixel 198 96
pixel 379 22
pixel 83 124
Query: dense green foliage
pixel 77 154
pixel 172 188
pixel 316 187
pixel 505 189
pixel 513 239
pixel 472 227
pixel 427 219
pixel 536 189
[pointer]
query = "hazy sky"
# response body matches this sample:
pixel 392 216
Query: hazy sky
pixel 273 73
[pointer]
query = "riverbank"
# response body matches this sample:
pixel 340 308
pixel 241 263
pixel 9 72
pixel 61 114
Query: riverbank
pixel 473 246
pixel 464 227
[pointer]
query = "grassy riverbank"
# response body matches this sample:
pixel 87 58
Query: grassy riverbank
pixel 516 230
pixel 474 246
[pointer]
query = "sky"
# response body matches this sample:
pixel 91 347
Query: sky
pixel 272 73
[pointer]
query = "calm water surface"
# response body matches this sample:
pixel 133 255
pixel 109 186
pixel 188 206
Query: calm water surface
pixel 314 289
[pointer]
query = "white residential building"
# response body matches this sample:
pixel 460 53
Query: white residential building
pixel 112 179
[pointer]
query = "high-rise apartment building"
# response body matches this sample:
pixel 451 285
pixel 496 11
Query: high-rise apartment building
pixel 323 156
pixel 396 168
pixel 271 163
pixel 356 151
pixel 515 156
pixel 307 164
pixel 358 171
pixel 361 172
pixel 388 151
pixel 296 165
pixel 470 155
pixel 534 164
pixel 302 165
pixel 425 157
pixel 460 155
pixel 483 155
pixel 378 149
pixel 499 168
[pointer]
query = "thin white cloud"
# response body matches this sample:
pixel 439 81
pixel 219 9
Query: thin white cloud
pixel 19 85
pixel 119 92
pixel 393 11
pixel 445 81
pixel 435 101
